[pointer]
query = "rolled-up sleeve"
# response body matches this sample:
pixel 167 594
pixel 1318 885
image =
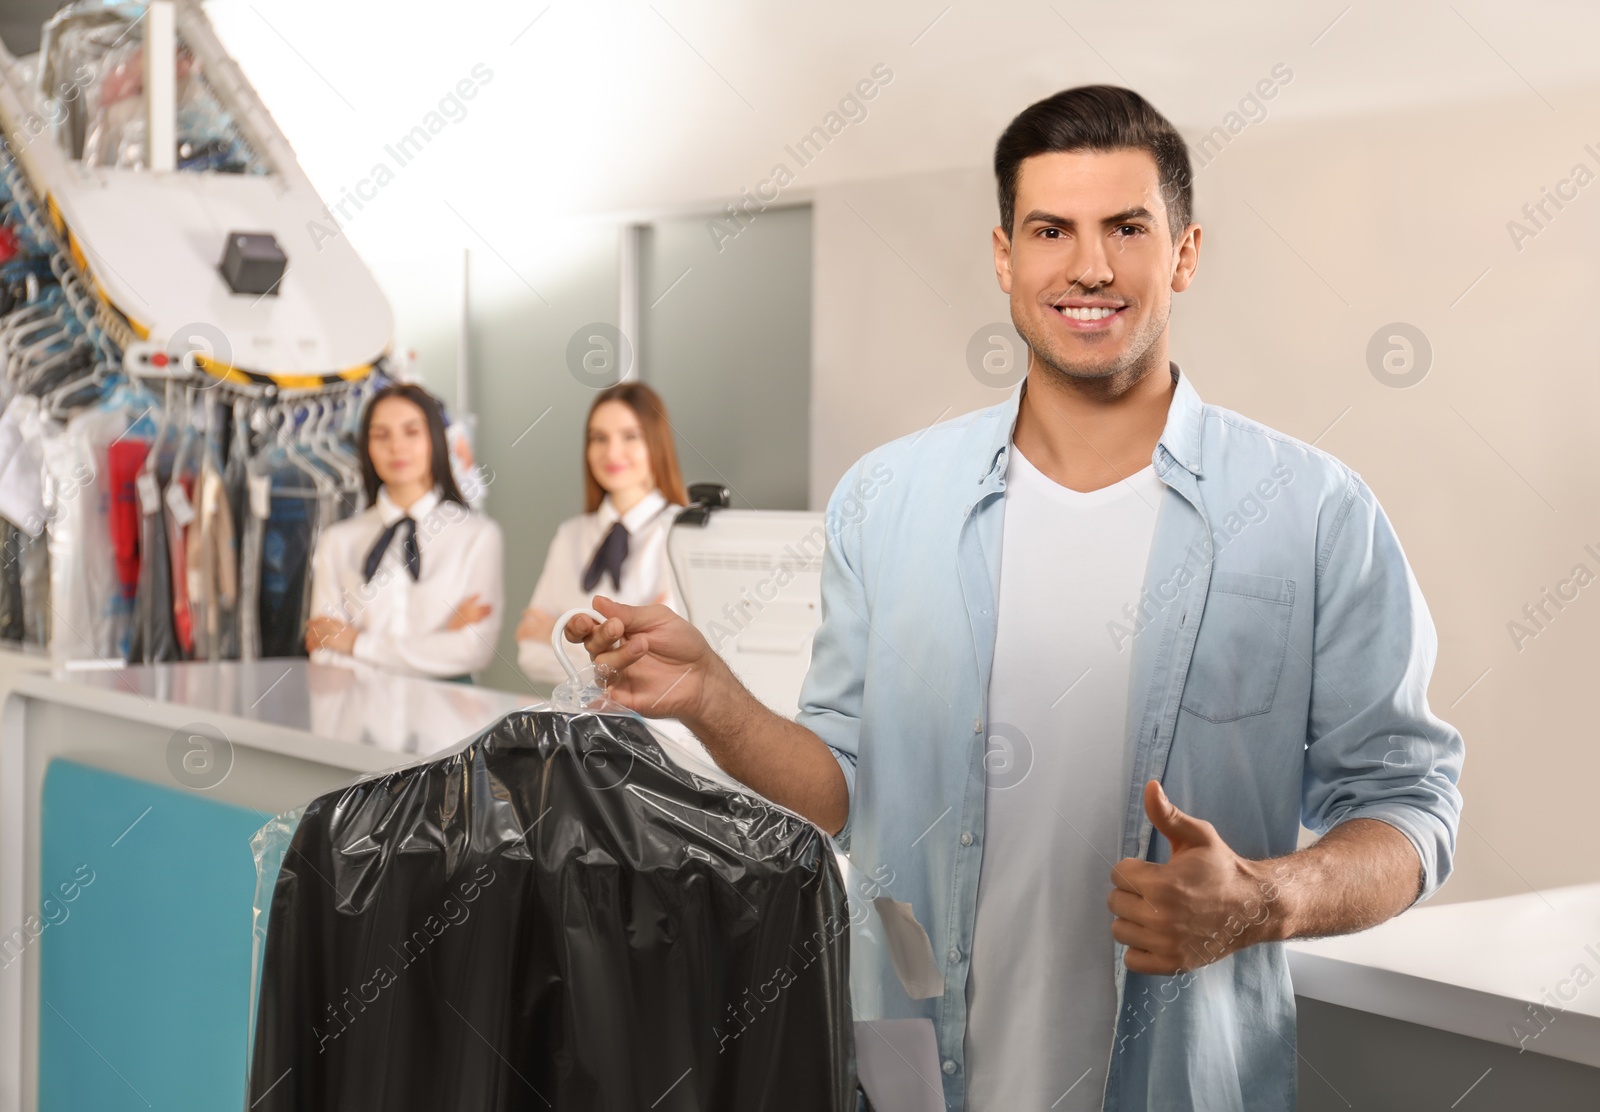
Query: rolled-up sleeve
pixel 1374 748
pixel 830 697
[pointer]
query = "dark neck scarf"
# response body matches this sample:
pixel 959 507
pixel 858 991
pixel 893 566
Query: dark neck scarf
pixel 608 558
pixel 408 546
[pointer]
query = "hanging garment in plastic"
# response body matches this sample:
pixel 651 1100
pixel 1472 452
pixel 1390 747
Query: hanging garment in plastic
pixel 213 564
pixel 11 619
pixel 36 613
pixel 22 464
pixel 178 511
pixel 76 575
pixel 83 591
pixel 158 639
pixel 124 459
pixel 88 43
pixel 554 915
pixel 212 560
pixel 258 503
pixel 284 541
pixel 234 491
pixel 93 618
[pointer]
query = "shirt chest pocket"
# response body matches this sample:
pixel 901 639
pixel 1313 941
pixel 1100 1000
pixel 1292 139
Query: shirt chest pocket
pixel 1239 651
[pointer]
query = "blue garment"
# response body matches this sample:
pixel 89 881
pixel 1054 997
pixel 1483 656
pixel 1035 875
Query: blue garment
pixel 1282 654
pixel 287 538
pixel 286 544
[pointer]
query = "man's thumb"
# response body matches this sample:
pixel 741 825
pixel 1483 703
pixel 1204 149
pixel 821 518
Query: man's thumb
pixel 1180 829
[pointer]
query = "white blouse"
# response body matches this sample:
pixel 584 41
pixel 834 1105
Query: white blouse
pixel 645 574
pixel 403 624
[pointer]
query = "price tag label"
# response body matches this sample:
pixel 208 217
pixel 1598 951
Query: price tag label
pixel 149 493
pixel 178 503
pixel 261 496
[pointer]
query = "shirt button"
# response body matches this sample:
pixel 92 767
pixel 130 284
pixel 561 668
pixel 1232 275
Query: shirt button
pixel 966 839
pixel 954 954
pixel 949 1065
pixel 977 725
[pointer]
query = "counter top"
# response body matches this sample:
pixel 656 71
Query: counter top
pixel 1518 970
pixel 351 714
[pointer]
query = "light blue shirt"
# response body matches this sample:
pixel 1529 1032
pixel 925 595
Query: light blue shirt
pixel 1281 658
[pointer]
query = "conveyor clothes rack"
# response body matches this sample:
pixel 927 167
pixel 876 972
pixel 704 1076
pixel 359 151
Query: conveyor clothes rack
pixel 150 510
pixel 131 134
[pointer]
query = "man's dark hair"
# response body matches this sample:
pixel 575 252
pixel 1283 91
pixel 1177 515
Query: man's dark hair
pixel 1096 118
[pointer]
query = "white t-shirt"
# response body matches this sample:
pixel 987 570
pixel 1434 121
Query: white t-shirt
pixel 646 574
pixel 1041 995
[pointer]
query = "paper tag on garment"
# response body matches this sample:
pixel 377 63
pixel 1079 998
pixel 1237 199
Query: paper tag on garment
pixel 909 949
pixel 261 496
pixel 178 503
pixel 898 1063
pixel 149 493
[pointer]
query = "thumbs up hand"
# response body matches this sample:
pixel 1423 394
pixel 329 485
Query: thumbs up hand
pixel 1201 905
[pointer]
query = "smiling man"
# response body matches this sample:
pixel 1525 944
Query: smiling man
pixel 1087 662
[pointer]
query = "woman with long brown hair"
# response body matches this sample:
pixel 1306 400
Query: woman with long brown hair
pixel 413 582
pixel 618 546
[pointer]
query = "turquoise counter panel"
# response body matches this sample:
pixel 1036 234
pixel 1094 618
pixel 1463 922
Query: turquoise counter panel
pixel 144 976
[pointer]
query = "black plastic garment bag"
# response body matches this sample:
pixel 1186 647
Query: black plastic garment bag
pixel 554 915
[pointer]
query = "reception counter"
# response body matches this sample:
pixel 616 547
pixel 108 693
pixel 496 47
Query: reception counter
pixel 128 798
pixel 127 801
pixel 1499 997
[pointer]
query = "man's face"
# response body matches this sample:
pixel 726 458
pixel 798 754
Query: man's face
pixel 1090 264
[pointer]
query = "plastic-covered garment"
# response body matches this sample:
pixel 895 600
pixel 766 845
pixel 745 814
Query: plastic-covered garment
pixel 235 486
pixel 211 559
pixel 212 563
pixel 178 512
pixel 36 611
pixel 94 618
pixel 75 40
pixel 80 569
pixel 92 64
pixel 281 543
pixel 257 482
pixel 11 620
pixel 22 464
pixel 157 638
pixel 554 915
pixel 207 137
pixel 124 459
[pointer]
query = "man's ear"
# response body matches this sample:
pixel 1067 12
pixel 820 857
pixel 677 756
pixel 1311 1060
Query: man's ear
pixel 1002 258
pixel 1188 260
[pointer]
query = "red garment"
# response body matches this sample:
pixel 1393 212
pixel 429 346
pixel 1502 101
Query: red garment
pixel 123 461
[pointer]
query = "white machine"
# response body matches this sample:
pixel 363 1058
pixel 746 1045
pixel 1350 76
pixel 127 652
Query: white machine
pixel 752 583
pixel 146 156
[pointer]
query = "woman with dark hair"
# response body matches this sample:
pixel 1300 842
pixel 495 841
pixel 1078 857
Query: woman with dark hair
pixel 413 582
pixel 618 546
